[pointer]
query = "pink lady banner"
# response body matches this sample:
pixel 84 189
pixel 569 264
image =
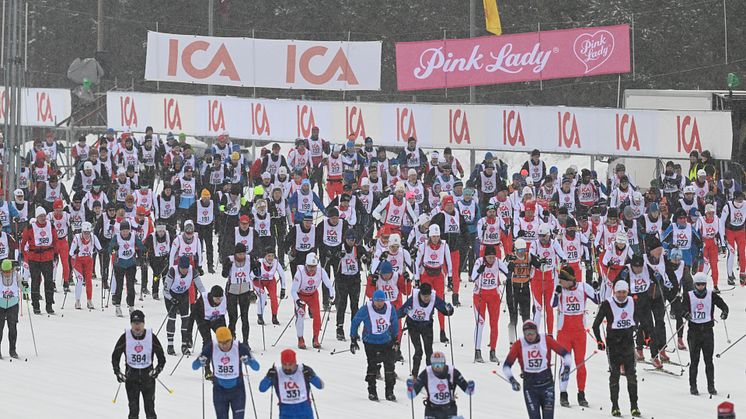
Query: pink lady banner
pixel 512 58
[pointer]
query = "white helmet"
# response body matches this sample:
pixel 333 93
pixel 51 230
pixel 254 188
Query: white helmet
pixel 544 229
pixel 700 278
pixel 621 286
pixel 520 244
pixel 637 196
pixel 709 208
pixel 311 259
pixel 701 173
pixel 423 219
pixel 86 227
pixel 394 240
pixel 434 230
pixel 690 189
pixel 621 237
pixel 527 190
pixel 400 186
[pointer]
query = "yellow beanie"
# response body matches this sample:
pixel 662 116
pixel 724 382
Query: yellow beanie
pixel 205 193
pixel 235 156
pixel 223 334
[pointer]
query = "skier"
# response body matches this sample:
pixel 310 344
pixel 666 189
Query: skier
pixel 237 269
pixel 292 383
pixel 83 250
pixel 209 312
pixel 39 243
pixel 204 211
pixel 518 291
pixel 301 241
pixel 419 309
pixel 265 284
pixel 226 355
pixel 432 257
pixel 732 221
pixel 139 346
pixel 440 381
pixel 179 281
pixel 380 329
pixel 533 354
pixel 486 278
pixel 126 246
pixel 305 293
pixel 711 233
pixel 550 255
pixel 698 308
pixel 330 233
pixel 453 227
pixel 9 303
pixel 158 246
pixel 571 296
pixel 618 311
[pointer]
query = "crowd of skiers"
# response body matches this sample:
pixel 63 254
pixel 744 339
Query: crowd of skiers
pixel 403 228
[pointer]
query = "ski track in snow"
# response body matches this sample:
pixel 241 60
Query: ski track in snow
pixel 73 374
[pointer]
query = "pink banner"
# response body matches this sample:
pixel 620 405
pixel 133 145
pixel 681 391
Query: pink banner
pixel 512 58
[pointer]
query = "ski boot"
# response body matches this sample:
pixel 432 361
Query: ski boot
pixel 171 350
pixel 715 290
pixel 615 411
pixel 37 310
pixel 731 279
pixel 581 399
pixel 710 389
pixel 636 412
pixel 77 305
pixel 210 269
pixel 680 344
pixel 390 395
pixel 478 356
pixel 259 320
pixel 664 356
pixel 66 287
pixel 639 356
pixel 13 354
pixel 455 301
pixel 50 310
pixel 656 363
pixel 563 399
pixel 443 337
pixel 340 334
pixel 155 295
pixel 301 343
pixel 89 305
pixel 390 381
pixel 693 391
pixel 144 291
pixel 316 344
pixel 372 391
pixel 742 278
pixel 130 309
pixel 372 394
pixel 493 357
pixel 274 319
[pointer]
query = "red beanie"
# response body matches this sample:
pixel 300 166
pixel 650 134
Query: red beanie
pixel 287 356
pixel 726 411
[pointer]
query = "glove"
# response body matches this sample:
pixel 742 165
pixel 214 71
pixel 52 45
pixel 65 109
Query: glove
pixel 470 387
pixel 481 269
pixel 24 283
pixel 724 315
pixel 365 259
pixel 384 256
pixel 155 372
pixel 722 249
pixel 416 281
pixel 299 303
pixel 510 257
pixel 282 294
pixel 251 362
pixel 374 278
pixel 515 384
pixel 121 377
pixel 601 346
pixel 565 375
pixel 558 289
pixel 594 284
pixel 331 300
pixel 449 309
pixel 406 277
pixel 201 271
pixel 353 345
pixel 450 283
pixel 687 315
pixel 202 360
pixel 410 389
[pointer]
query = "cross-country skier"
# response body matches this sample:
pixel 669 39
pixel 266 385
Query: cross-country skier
pixel 380 329
pixel 440 381
pixel 486 278
pixel 139 346
pixel 265 284
pixel 83 250
pixel 292 384
pixel 226 356
pixel 239 289
pixel 419 310
pixel 533 352
pixel 125 246
pixel 179 280
pixel 10 294
pixel 432 257
pixel 204 211
pixel 305 292
pixel 618 311
pixel 698 308
pixel 209 312
pixel 352 257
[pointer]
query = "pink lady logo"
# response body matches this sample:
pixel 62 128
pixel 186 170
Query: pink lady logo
pixel 225 360
pixel 138 348
pixel 593 50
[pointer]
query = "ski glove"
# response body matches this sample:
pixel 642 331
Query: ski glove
pixel 515 384
pixel 282 294
pixel 601 346
pixel 353 344
pixel 300 304
pixel 155 372
pixel 331 301
pixel 450 283
pixel 121 377
pixel 724 315
pixel 565 375
pixel 470 387
pixel 558 289
pixel 449 309
pixel 251 362
pixel 410 389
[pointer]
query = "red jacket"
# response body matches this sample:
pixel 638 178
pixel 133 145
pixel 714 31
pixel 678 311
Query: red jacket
pixel 31 252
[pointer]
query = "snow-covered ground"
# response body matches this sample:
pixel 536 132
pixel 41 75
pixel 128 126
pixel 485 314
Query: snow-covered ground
pixel 72 376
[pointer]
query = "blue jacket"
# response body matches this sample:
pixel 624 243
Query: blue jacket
pixel 440 305
pixel 368 337
pixel 296 410
pixel 472 227
pixel 293 204
pixel 694 252
pixel 12 213
pixel 243 350
pixel 126 263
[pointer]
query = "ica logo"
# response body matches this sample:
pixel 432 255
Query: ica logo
pixel 215 118
pixel 304 120
pixel 259 119
pixel 458 126
pixel 687 134
pixel 221 60
pixel 405 125
pixel 43 107
pixel 355 122
pixel 568 135
pixel 171 114
pixel 301 65
pixel 626 133
pixel 127 110
pixel 513 128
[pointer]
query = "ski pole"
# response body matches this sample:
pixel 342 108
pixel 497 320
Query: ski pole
pixel 251 392
pixel 203 392
pixel 315 409
pixel 663 348
pixel 183 353
pixel 64 299
pixel 334 352
pixel 164 386
pixel 470 414
pixel 595 351
pixel 450 336
pixel 730 346
pixel 286 327
pixel 31 324
pixel 409 359
pixel 678 353
pixel 327 314
pixel 725 325
pixel 264 344
pixel 164 319
pixel 501 377
pixel 116 395
pixel 271 402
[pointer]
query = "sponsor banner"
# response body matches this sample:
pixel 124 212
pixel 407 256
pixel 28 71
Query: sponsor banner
pixel 512 58
pixel 274 63
pixel 587 131
pixel 40 107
